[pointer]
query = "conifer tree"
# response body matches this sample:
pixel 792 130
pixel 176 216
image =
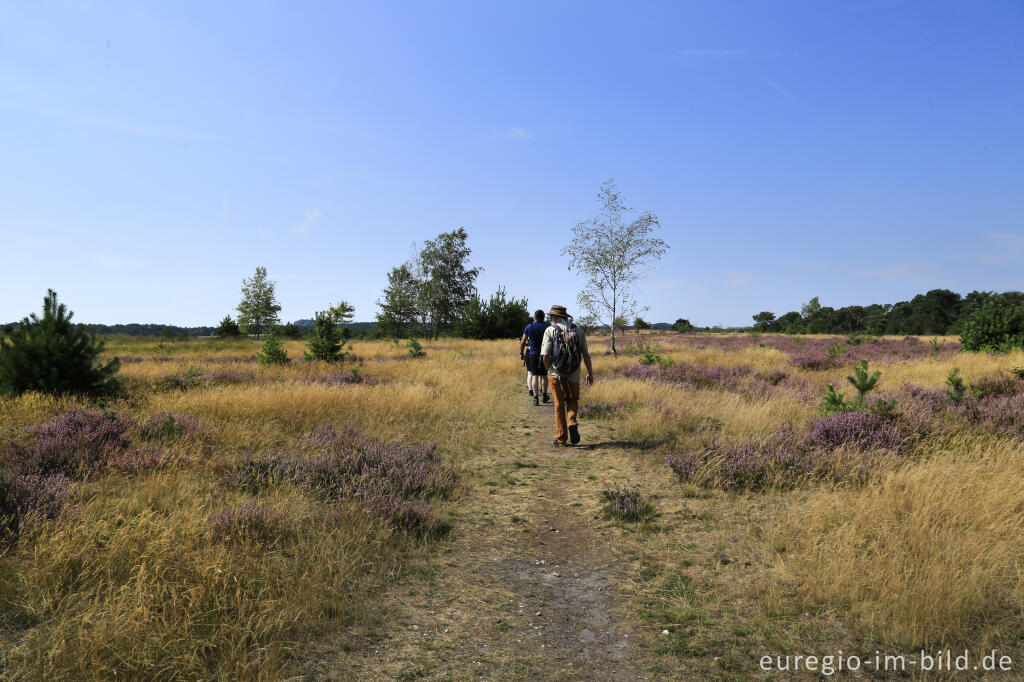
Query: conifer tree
pixel 52 355
pixel 325 339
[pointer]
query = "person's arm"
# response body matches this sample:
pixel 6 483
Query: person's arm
pixel 590 369
pixel 547 362
pixel 522 344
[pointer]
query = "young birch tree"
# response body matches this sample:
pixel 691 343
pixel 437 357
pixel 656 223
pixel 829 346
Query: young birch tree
pixel 613 253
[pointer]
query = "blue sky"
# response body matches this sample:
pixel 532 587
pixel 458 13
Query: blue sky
pixel 153 154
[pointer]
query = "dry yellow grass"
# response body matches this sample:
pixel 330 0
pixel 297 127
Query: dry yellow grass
pixel 132 584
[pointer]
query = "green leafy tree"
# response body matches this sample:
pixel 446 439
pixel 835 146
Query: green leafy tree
pixel 52 355
pixel 640 323
pixel 342 313
pixel 273 352
pixel 682 326
pixel 325 340
pixel 399 309
pixel 997 325
pixel 446 282
pixel 763 321
pixel 259 307
pixel 612 253
pixel 228 328
pixel 499 317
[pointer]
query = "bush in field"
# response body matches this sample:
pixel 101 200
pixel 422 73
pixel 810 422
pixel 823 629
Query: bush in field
pixel 272 352
pixel 52 355
pixel 228 328
pixel 391 481
pixel 627 504
pixel 169 425
pixel 250 523
pixel 75 443
pixel 325 340
pixel 683 326
pixel 27 499
pixel 654 355
pixel 997 325
pixel 415 349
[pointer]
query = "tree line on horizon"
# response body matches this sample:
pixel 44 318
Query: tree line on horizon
pixel 936 312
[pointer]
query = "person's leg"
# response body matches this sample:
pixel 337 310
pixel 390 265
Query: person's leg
pixel 544 384
pixel 561 429
pixel 572 405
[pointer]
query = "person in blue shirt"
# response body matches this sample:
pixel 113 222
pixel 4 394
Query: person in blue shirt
pixel 537 378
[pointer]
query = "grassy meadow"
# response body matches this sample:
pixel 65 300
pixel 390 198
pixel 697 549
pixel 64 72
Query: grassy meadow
pixel 220 516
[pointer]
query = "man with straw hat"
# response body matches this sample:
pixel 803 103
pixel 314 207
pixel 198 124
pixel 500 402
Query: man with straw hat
pixel 563 348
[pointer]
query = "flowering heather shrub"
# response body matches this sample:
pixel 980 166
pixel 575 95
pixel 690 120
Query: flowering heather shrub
pixel 997 385
pixel 249 523
pixel 741 378
pixel 813 359
pixel 627 504
pixel 685 465
pixel 865 431
pixel 414 516
pixel 140 459
pixel 169 425
pixel 28 499
pixel 599 410
pixel 381 477
pixel 76 442
pixel 643 372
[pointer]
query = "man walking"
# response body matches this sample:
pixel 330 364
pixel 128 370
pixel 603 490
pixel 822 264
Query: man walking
pixel 563 349
pixel 537 376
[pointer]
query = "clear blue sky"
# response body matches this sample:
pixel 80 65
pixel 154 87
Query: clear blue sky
pixel 153 154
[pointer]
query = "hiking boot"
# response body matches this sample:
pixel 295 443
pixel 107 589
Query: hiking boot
pixel 547 398
pixel 536 401
pixel 558 444
pixel 574 434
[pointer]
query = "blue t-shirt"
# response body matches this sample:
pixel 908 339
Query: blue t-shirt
pixel 535 334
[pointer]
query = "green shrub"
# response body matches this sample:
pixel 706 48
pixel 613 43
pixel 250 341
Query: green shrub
pixel 325 340
pixel 415 349
pixel 273 352
pixel 52 355
pixel 997 325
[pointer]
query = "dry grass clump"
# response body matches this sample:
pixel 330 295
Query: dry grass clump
pixel 926 555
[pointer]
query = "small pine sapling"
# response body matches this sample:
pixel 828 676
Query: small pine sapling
pixel 936 346
pixel 837 350
pixel 834 402
pixel 863 382
pixel 884 408
pixel 957 391
pixel 415 349
pixel 273 352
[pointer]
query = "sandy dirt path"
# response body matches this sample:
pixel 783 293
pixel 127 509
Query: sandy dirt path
pixel 523 588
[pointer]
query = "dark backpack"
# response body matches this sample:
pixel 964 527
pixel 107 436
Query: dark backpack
pixel 566 356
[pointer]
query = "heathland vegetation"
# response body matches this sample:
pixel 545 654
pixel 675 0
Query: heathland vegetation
pixel 219 517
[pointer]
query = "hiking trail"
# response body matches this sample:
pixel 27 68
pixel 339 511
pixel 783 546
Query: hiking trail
pixel 523 587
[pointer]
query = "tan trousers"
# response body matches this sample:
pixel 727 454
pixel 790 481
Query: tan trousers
pixel 567 402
